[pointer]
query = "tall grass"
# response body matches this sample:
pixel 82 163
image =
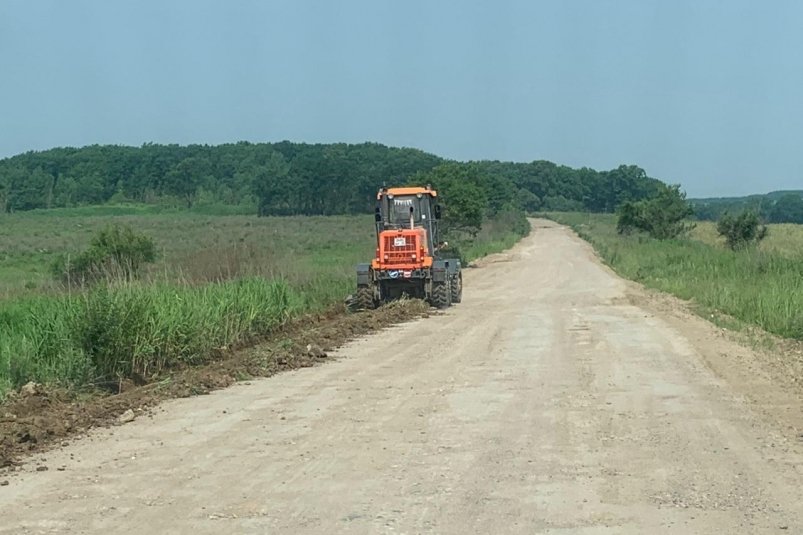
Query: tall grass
pixel 135 330
pixel 783 238
pixel 760 287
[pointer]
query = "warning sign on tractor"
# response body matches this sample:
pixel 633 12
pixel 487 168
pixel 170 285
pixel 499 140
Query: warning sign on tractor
pixel 399 242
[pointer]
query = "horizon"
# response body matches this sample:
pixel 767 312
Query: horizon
pixel 695 93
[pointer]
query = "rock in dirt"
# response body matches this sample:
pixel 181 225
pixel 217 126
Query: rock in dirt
pixel 30 389
pixel 4 483
pixel 316 351
pixel 127 416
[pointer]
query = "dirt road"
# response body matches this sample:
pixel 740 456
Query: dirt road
pixel 547 402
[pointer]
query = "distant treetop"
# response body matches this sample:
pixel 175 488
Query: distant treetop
pixel 774 207
pixel 295 178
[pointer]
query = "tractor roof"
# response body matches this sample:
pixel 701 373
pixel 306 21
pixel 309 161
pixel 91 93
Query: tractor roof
pixel 407 191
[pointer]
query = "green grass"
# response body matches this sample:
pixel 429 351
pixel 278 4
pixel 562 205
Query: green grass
pixel 221 280
pixel 759 286
pixel 785 239
pixel 134 330
pixel 133 209
pixel 193 248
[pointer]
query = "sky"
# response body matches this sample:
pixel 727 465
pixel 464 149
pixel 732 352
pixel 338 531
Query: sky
pixel 708 94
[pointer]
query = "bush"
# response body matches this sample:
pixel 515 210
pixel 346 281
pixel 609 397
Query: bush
pixel 742 230
pixel 115 251
pixel 663 217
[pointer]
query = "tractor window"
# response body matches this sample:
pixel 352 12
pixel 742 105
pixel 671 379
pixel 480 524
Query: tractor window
pixel 400 209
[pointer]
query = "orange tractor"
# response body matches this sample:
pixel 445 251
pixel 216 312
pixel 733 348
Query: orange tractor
pixel 409 258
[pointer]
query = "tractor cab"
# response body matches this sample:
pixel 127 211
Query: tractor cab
pixel 406 207
pixel 405 263
pixel 406 227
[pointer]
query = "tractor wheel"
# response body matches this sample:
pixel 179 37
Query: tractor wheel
pixel 456 288
pixel 364 298
pixel 441 296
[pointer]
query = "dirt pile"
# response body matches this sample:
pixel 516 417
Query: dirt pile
pixel 38 417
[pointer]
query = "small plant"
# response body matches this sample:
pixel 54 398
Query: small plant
pixel 741 230
pixel 116 251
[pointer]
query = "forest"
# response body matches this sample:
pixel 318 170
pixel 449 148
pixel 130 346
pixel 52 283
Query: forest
pixel 775 207
pixel 289 178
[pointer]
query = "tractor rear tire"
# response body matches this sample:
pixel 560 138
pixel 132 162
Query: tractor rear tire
pixel 456 288
pixel 364 298
pixel 441 295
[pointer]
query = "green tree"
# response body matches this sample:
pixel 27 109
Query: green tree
pixel 741 230
pixel 787 209
pixel 464 208
pixel 464 202
pixel 528 201
pixel 662 216
pixel 5 190
pixel 332 178
pixel 115 251
pixel 271 188
pixel 30 189
pixel 559 203
pixel 186 178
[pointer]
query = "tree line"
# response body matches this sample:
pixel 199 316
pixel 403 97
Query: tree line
pixel 289 178
pixel 775 207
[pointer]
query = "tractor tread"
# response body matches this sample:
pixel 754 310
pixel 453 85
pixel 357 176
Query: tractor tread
pixel 364 298
pixel 441 295
pixel 456 287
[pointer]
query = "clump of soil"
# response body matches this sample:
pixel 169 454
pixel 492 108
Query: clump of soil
pixel 40 417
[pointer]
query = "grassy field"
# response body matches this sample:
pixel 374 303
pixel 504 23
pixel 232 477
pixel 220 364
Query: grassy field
pixel 785 239
pixel 762 286
pixel 193 248
pixel 220 281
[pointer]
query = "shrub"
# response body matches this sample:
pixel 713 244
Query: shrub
pixel 741 230
pixel 663 217
pixel 117 250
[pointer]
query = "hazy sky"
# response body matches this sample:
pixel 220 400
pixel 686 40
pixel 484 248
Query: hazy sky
pixel 705 93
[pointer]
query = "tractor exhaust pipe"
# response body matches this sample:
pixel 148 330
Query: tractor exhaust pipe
pixel 412 221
